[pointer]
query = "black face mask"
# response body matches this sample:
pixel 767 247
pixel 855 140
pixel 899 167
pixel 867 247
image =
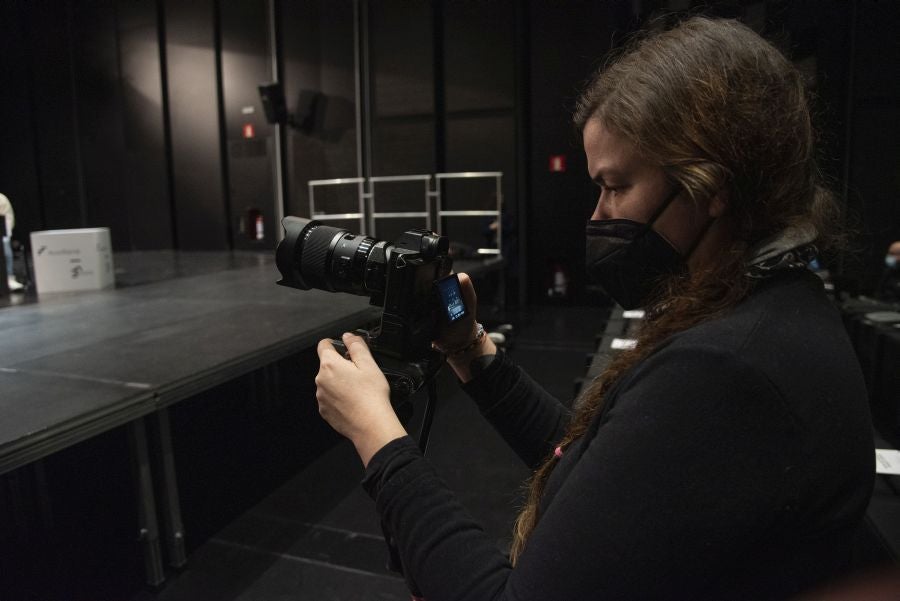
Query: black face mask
pixel 628 259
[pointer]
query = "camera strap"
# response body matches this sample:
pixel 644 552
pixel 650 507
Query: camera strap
pixel 428 416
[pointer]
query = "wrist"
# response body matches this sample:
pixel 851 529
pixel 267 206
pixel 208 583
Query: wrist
pixel 462 363
pixel 370 441
pixel 449 352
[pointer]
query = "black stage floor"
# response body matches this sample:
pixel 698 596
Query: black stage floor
pixel 317 537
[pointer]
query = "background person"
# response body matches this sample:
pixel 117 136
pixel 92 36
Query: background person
pixel 889 286
pixel 6 211
pixel 729 455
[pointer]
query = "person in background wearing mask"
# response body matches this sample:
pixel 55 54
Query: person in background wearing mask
pixel 889 287
pixel 729 455
pixel 6 211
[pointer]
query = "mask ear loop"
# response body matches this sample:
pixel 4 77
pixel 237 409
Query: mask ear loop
pixel 699 238
pixel 665 205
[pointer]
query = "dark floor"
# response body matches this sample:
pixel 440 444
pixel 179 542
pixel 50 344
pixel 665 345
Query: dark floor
pixel 317 536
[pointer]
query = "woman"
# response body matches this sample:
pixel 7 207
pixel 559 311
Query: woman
pixel 729 455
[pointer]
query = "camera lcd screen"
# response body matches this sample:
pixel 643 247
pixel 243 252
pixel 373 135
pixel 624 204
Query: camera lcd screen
pixel 451 298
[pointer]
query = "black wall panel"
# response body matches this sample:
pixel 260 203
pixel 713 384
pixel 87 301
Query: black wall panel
pixel 55 110
pixel 402 72
pixel 319 77
pixel 404 145
pixel 565 47
pixel 479 56
pixel 481 143
pixel 99 117
pixel 874 176
pixel 144 172
pixel 302 63
pixel 246 62
pixel 402 57
pixel 18 167
pixel 200 216
pixel 832 51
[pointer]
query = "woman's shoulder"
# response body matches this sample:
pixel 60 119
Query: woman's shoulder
pixel 786 338
pixel 786 312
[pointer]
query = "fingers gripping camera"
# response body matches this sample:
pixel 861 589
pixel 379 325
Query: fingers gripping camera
pixel 408 279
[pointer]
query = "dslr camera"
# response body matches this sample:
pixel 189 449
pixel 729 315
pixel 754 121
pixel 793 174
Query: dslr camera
pixel 410 279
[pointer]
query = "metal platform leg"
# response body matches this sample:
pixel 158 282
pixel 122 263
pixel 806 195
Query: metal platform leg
pixel 171 503
pixel 42 490
pixel 149 530
pixel 17 504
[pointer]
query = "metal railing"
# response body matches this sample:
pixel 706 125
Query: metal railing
pixel 375 215
pixel 341 181
pixel 441 212
pixel 433 213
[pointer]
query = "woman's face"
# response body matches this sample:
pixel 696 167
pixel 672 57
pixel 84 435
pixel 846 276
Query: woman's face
pixel 631 188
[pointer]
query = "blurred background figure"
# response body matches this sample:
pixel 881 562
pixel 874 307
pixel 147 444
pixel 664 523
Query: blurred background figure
pixel 6 211
pixel 889 287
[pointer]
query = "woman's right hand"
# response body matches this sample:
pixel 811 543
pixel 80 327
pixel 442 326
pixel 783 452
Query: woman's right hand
pixel 462 333
pixel 456 335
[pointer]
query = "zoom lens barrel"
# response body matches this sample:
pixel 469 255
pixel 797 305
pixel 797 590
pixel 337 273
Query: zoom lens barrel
pixel 314 255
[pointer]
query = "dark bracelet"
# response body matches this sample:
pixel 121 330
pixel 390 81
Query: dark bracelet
pixel 479 334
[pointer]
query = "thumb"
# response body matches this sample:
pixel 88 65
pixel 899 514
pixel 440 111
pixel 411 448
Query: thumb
pixel 468 292
pixel 358 349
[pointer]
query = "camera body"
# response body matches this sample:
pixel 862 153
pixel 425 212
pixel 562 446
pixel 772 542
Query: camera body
pixel 411 316
pixel 399 277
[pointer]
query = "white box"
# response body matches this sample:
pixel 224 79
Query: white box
pixel 71 260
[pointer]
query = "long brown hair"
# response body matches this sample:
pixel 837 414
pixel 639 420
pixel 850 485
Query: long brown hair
pixel 720 110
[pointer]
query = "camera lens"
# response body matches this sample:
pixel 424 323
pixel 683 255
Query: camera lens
pixel 314 255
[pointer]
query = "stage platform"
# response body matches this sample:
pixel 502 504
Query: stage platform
pixel 74 365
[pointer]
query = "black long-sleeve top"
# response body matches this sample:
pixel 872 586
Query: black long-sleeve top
pixel 734 463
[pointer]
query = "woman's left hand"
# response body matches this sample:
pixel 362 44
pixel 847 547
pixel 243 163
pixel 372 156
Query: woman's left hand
pixel 354 396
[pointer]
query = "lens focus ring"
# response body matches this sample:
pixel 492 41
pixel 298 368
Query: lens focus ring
pixel 315 246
